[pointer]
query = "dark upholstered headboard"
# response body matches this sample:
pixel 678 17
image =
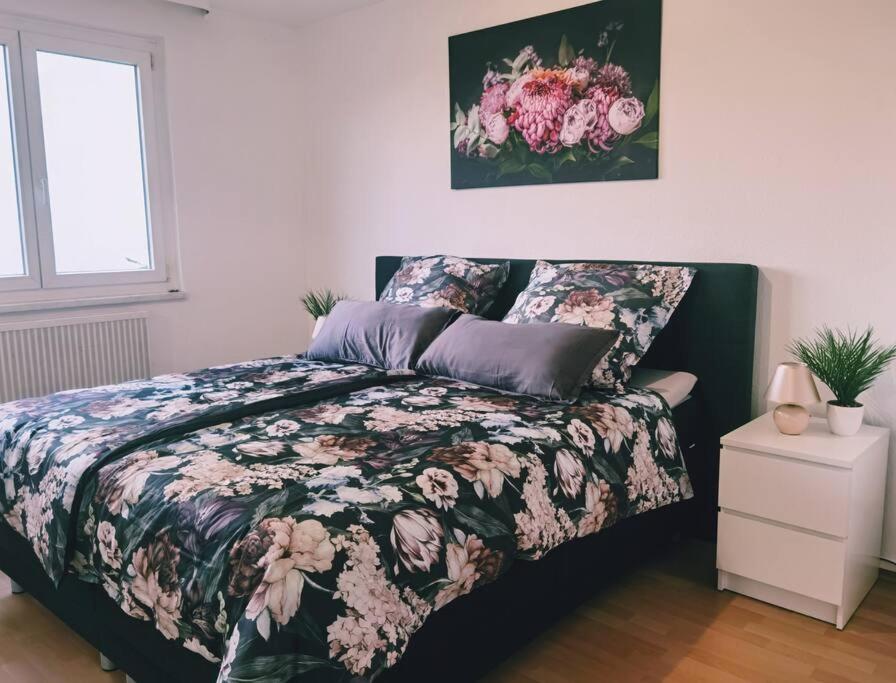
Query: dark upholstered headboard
pixel 711 334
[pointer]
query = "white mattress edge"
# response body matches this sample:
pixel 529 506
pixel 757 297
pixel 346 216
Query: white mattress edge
pixel 673 385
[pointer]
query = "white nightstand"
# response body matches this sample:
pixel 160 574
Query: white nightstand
pixel 800 517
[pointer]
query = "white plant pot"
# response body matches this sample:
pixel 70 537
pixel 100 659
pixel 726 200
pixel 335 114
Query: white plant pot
pixel 845 421
pixel 318 326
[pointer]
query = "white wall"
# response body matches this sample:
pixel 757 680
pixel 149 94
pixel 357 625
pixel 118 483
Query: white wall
pixel 776 149
pixel 233 105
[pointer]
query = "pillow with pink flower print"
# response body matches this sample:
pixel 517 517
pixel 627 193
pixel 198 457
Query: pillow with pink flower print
pixel 448 282
pixel 636 300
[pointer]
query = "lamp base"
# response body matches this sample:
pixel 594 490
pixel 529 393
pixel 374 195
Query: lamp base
pixel 791 419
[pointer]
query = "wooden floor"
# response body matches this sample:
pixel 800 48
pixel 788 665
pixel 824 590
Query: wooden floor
pixel 664 622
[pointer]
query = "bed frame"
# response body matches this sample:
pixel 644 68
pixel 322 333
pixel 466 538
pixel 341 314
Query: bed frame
pixel 711 335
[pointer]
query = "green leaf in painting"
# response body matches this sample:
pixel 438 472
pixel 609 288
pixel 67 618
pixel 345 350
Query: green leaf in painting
pixel 618 163
pixel 567 53
pixel 653 104
pixel 540 172
pixel 509 166
pixel 650 140
pixel 567 155
pixel 488 150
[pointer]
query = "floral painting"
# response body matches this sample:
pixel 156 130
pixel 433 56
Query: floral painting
pixel 571 96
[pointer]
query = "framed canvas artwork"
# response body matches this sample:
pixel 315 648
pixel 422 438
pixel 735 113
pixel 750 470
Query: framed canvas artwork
pixel 571 96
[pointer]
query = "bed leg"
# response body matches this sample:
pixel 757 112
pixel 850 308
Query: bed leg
pixel 16 588
pixel 107 664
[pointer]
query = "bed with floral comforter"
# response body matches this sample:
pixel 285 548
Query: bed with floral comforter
pixel 310 534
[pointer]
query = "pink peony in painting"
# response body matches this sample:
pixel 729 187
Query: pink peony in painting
pixel 571 96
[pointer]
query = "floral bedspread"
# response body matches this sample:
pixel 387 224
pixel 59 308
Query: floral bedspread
pixel 314 541
pixel 50 445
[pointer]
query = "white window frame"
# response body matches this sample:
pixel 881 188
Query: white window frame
pixel 31 280
pixel 24 37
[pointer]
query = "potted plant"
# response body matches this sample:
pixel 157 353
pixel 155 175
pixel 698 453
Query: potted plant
pixel 319 303
pixel 848 362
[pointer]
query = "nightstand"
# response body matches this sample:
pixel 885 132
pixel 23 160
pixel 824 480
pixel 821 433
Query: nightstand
pixel 800 517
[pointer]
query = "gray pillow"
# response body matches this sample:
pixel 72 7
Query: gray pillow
pixel 384 335
pixel 545 360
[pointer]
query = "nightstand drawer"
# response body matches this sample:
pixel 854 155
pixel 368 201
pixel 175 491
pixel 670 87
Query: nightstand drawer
pixel 785 558
pixel 803 494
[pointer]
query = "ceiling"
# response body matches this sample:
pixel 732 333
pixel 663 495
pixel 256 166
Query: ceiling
pixel 293 12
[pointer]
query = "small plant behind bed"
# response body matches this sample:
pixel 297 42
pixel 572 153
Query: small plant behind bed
pixel 319 303
pixel 848 362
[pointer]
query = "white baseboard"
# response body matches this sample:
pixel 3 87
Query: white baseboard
pixel 888 566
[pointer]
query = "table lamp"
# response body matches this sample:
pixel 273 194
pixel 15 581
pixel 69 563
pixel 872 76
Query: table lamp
pixel 794 388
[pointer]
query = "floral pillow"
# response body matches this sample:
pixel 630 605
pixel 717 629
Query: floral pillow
pixel 634 300
pixel 446 281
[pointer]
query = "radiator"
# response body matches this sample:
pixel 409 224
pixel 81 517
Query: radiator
pixel 39 358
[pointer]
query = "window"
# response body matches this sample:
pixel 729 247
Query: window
pixel 85 179
pixel 12 244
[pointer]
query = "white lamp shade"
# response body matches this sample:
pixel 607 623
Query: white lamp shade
pixel 793 383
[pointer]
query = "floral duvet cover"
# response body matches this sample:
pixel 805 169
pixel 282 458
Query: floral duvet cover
pixel 50 445
pixel 310 541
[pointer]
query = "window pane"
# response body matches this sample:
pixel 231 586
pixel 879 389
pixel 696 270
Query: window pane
pixel 12 261
pixel 94 150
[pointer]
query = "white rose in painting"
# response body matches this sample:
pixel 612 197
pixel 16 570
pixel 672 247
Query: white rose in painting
pixel 497 129
pixel 625 115
pixel 525 60
pixel 468 130
pixel 579 77
pixel 577 121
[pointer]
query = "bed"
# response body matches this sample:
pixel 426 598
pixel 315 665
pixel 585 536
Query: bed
pixel 151 542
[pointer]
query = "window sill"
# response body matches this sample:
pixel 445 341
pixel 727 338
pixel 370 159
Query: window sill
pixel 87 302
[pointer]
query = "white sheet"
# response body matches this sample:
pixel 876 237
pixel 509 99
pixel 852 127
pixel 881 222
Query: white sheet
pixel 674 386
